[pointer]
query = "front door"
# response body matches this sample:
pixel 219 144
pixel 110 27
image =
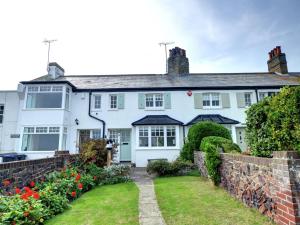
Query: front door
pixel 124 137
pixel 84 136
pixel 240 138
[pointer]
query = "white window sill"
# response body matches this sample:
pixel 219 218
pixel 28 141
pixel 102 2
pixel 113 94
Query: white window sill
pixel 204 107
pixel 154 109
pixel 175 148
pixel 37 152
pixel 43 109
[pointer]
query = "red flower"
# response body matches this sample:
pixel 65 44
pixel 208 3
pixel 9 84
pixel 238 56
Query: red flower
pixel 78 177
pixel 36 195
pixel 73 194
pixel 6 183
pixel 25 197
pixel 26 214
pixel 27 189
pixel 32 184
pixel 95 178
pixel 18 191
pixel 80 186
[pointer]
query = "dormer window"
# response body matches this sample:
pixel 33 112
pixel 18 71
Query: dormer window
pixel 46 96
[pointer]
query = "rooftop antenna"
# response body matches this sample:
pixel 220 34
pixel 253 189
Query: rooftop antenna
pixel 165 44
pixel 49 42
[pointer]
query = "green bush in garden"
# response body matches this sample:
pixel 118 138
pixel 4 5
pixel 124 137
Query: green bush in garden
pixel 197 132
pixel 212 146
pixel 273 124
pixel 165 168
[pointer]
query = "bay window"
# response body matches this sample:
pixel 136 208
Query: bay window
pixel 44 97
pixel 157 136
pixel 40 138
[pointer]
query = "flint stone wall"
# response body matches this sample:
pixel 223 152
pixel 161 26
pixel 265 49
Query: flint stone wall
pixel 272 185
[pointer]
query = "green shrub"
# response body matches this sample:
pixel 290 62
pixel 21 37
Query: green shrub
pixel 273 124
pixel 197 132
pixel 212 146
pixel 94 151
pixel 226 145
pixel 165 168
pixel 115 174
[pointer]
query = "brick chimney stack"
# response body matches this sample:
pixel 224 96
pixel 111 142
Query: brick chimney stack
pixel 277 61
pixel 178 63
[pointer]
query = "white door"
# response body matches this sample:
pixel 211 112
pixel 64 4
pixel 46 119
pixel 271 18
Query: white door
pixel 240 138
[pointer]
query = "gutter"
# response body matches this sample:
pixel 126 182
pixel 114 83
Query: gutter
pixel 256 93
pixel 90 115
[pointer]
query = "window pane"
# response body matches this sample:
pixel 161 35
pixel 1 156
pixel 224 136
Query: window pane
pixel 171 136
pixel 113 101
pixel 143 137
pixel 215 99
pixel 67 100
pixel 158 100
pixel 157 136
pixel 28 130
pixel 40 142
pixel 64 142
pixel 96 134
pixel 45 88
pixel 97 104
pixel 57 88
pixel 206 99
pixel 44 100
pixel 149 100
pixel 248 99
pixel 54 129
pixel 33 88
pixel 41 129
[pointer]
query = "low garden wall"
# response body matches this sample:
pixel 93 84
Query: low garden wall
pixel 272 185
pixel 21 173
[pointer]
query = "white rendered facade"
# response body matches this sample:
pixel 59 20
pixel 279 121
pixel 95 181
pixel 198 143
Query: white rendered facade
pixel 73 117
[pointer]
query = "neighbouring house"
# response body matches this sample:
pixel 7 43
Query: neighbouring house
pixel 148 115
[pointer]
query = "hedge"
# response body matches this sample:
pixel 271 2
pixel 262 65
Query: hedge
pixel 197 132
pixel 212 146
pixel 273 124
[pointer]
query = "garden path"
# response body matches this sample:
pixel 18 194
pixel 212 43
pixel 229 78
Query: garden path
pixel 149 213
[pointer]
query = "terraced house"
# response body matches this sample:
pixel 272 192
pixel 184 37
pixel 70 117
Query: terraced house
pixel 148 115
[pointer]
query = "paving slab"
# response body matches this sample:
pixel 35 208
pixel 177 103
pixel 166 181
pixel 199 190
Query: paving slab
pixel 149 212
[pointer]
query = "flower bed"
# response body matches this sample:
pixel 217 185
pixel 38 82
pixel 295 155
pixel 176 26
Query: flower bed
pixel 38 201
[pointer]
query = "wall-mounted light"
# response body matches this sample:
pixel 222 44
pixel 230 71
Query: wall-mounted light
pixel 77 121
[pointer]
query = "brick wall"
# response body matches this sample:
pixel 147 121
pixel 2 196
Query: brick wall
pixel 272 185
pixel 20 173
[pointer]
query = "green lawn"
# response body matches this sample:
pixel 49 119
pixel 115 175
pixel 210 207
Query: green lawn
pixel 194 200
pixel 111 204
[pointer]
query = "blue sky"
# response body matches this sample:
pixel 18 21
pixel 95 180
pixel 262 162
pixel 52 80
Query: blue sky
pixel 121 37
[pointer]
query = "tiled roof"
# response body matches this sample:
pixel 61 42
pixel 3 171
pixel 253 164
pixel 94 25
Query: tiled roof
pixel 156 120
pixel 212 117
pixel 183 81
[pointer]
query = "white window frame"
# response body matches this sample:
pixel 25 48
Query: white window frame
pixel 210 95
pixel 95 101
pixel 155 100
pixel 42 129
pixel 248 99
pixel 266 93
pixel 2 114
pixel 110 101
pixel 150 147
pixel 46 89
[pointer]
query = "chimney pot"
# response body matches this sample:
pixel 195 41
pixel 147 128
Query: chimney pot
pixel 277 61
pixel 178 63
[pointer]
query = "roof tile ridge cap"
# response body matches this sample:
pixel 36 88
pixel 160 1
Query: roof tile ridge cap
pixel 113 75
